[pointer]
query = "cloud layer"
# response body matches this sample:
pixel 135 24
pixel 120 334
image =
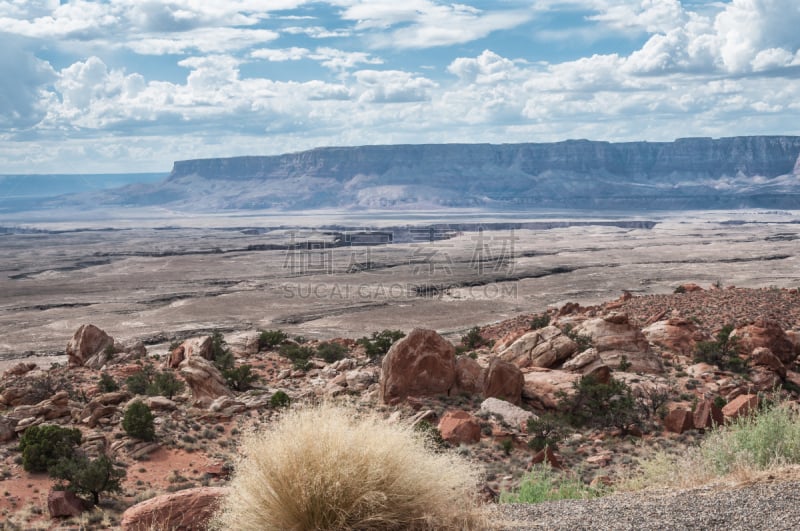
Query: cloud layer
pixel 130 85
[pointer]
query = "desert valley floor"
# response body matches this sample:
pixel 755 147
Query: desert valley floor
pixel 162 284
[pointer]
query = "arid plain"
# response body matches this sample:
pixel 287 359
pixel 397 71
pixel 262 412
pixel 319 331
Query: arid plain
pixel 162 284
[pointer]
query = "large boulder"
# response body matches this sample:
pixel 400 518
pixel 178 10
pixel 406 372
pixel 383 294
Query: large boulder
pixel 186 509
pixel 541 388
pixel 62 503
pixel 767 334
pixel 88 341
pixel 614 337
pixel 421 364
pixel 459 427
pixel 470 376
pixel 546 347
pixel 707 415
pixel 676 335
pixel 679 420
pixel 503 380
pixel 513 415
pixel 739 406
pixel 198 346
pixel 205 381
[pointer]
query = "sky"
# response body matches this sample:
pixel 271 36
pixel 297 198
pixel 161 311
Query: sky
pixel 133 85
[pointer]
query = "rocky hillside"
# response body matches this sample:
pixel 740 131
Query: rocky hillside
pixel 475 397
pixel 691 173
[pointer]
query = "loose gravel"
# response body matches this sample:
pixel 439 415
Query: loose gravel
pixel 771 506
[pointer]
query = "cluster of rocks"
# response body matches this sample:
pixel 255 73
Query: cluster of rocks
pixel 523 373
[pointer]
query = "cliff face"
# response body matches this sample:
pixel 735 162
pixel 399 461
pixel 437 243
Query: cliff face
pixel 686 173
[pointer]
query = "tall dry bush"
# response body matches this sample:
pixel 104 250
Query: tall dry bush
pixel 334 468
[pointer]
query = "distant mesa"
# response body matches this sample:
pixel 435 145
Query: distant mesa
pixel 690 173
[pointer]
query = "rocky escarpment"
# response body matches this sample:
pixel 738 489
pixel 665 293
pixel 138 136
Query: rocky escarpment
pixel 684 174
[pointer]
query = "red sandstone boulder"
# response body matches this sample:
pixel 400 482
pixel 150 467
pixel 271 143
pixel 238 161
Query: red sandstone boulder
pixel 768 334
pixel 707 415
pixel 459 427
pixel 679 420
pixel 614 337
pixel 199 347
pixel 176 357
pixel 546 347
pixel 19 369
pixel 64 503
pixel 187 510
pixel 470 375
pixel 549 456
pixel 741 405
pixel 421 364
pixel 87 341
pixel 676 335
pixel 503 380
pixel 541 388
pixel 205 381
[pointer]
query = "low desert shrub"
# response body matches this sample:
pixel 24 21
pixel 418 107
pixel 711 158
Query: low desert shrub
pixel 45 445
pixel 334 468
pixel 722 352
pixel 271 338
pixel 240 378
pixel 380 342
pixel 279 399
pixel 330 351
pixel 766 440
pixel 89 476
pixel 138 421
pixel 299 355
pixel 600 405
pixel 107 384
pixel 540 321
pixel 473 339
pixel 545 484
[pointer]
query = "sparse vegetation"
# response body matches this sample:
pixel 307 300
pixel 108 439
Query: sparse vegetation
pixel 751 443
pixel 380 342
pixel 279 399
pixel 329 467
pixel 138 421
pixel 299 355
pixel 546 430
pixel 545 484
pixel 583 341
pixel 473 339
pixel 89 476
pixel 330 351
pixel 44 446
pixel 540 321
pixel 271 339
pixel 599 404
pixel 107 384
pixel 722 352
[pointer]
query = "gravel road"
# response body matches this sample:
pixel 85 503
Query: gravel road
pixel 762 506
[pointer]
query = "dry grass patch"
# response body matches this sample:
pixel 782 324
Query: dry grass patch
pixel 334 468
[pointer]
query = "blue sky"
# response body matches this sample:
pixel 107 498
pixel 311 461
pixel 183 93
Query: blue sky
pixel 132 85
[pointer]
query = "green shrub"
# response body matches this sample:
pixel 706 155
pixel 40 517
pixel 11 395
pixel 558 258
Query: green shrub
pixel 722 352
pixel 545 484
pixel 299 355
pixel 380 342
pixel 767 440
pixel 279 399
pixel 106 384
pixel 44 445
pixel 679 290
pixel 271 338
pixel 335 468
pixel 165 384
pixel 138 421
pixel 432 433
pixel 540 321
pixel 240 378
pixel 600 404
pixel 546 430
pixel 330 351
pixel 89 476
pixel 473 339
pixel 583 341
pixel 221 354
pixel 138 383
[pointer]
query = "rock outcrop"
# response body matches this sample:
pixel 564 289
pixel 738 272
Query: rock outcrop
pixel 421 364
pixel 513 415
pixel 614 337
pixel 767 334
pixel 546 347
pixel 503 380
pixel 87 342
pixel 204 380
pixel 459 427
pixel 676 335
pixel 186 509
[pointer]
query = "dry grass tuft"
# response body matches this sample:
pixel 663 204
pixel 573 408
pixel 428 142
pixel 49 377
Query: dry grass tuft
pixel 333 468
